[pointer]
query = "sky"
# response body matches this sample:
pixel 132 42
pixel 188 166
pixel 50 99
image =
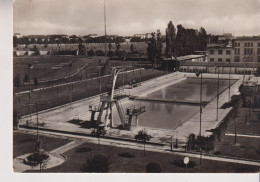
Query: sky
pixel 129 17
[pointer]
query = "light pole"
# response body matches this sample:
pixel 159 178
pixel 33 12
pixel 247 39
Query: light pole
pixel 217 94
pixel 197 74
pixel 99 69
pixel 229 81
pixel 70 65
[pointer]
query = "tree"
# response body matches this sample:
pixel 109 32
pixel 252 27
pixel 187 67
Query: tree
pixel 159 45
pixel 82 50
pixel 36 50
pixel 151 49
pixel 109 46
pixel 98 164
pixel 98 132
pixel 25 78
pixel 117 47
pixel 132 48
pixel 143 137
pixel 35 81
pixel 153 168
pixel 91 52
pixel 170 40
pixel 17 80
pixel 203 39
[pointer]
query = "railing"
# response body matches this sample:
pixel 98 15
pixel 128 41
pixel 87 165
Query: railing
pixel 212 64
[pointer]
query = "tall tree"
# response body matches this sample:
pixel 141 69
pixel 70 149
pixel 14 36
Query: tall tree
pixel 159 45
pixel 203 38
pixel 170 40
pixel 154 49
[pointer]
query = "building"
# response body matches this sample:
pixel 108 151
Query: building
pixel 219 53
pixel 142 36
pixel 148 35
pixel 93 35
pixel 18 35
pixel 247 49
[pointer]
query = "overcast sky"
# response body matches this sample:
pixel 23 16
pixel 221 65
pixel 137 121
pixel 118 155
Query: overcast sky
pixel 128 17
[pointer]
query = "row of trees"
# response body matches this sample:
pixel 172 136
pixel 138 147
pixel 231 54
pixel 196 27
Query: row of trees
pixel 65 40
pixel 184 42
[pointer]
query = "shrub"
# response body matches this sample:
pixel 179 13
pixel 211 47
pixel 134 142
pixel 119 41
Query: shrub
pixel 153 168
pixel 126 155
pixel 181 164
pixel 98 164
pixel 84 149
pixel 36 159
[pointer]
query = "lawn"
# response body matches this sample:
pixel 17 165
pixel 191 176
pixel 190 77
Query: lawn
pixel 136 162
pixel 60 95
pixel 248 147
pixel 25 143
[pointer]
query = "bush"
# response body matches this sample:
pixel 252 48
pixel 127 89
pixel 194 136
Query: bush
pixel 153 168
pixel 84 149
pixel 98 164
pixel 126 155
pixel 36 159
pixel 181 164
pixel 217 153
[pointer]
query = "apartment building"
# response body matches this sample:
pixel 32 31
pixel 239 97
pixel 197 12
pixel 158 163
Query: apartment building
pixel 247 49
pixel 219 53
pixel 243 49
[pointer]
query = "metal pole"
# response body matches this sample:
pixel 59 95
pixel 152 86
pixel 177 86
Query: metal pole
pixel 70 83
pixel 200 101
pixel 99 82
pixel 37 121
pixel 105 24
pixel 229 82
pixel 200 112
pixel 217 95
pixel 236 130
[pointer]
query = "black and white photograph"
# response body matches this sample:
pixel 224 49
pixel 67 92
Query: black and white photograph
pixel 135 86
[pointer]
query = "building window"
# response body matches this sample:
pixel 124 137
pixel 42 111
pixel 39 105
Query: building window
pixel 248 51
pixel 258 44
pixel 211 59
pixel 245 44
pixel 227 52
pixel 237 44
pixel 219 59
pixel 228 60
pixel 211 51
pixel 237 51
pixel 258 59
pixel 220 51
pixel 258 51
pixel 249 59
pixel 237 58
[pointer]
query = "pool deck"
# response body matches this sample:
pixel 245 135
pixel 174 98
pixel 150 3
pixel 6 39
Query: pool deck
pixel 57 118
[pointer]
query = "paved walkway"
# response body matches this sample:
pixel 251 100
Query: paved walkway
pixel 57 118
pixel 240 135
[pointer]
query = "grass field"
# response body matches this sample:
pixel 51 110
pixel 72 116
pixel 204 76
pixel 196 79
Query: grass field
pixel 61 95
pixel 119 164
pixel 25 143
pixel 247 147
pixel 47 67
